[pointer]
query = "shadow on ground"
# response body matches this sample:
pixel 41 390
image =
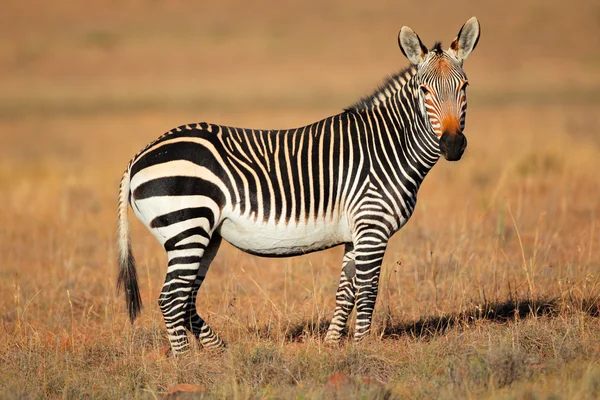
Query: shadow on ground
pixel 429 327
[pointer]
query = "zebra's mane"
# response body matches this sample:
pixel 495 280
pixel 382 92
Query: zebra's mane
pixel 390 86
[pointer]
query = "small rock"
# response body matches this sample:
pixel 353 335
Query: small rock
pixel 181 389
pixel 158 354
pixel 338 380
pixel 371 381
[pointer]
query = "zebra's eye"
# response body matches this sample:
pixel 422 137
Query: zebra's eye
pixel 424 89
pixel 464 85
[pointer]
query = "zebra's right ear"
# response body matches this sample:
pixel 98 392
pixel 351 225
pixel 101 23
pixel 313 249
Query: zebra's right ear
pixel 466 40
pixel 411 45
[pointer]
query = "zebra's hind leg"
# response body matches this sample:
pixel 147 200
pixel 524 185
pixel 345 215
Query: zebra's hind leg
pixel 344 298
pixel 200 329
pixel 178 295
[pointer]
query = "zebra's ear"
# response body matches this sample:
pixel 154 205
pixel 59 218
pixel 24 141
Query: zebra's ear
pixel 466 40
pixel 411 45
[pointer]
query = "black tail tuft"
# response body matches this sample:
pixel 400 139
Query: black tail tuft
pixel 128 280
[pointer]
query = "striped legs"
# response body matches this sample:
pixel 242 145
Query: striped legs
pixel 187 268
pixel 359 283
pixel 368 250
pixel 344 298
pixel 200 329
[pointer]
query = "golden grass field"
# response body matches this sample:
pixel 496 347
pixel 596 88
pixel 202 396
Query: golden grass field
pixel 492 290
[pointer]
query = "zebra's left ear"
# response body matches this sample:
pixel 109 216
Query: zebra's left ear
pixel 466 40
pixel 411 45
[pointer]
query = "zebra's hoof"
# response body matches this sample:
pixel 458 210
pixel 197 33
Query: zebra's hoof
pixel 332 340
pixel 181 353
pixel 216 348
pixel 360 338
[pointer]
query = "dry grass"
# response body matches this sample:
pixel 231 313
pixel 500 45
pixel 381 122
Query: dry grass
pixel 491 290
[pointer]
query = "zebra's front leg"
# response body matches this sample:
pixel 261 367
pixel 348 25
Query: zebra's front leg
pixel 369 252
pixel 344 298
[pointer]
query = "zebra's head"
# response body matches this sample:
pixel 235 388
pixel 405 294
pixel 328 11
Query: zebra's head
pixel 442 84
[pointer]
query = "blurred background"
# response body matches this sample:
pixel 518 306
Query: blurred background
pixel 85 85
pixel 209 59
pixel 510 231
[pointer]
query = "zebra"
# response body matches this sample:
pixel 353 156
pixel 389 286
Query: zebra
pixel 350 179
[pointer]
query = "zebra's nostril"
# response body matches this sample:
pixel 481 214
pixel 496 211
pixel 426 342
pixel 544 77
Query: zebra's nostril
pixel 452 145
pixel 443 148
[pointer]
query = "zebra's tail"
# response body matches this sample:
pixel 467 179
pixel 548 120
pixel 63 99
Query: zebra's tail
pixel 127 273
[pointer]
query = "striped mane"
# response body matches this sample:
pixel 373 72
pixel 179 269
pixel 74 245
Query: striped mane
pixel 387 89
pixel 390 86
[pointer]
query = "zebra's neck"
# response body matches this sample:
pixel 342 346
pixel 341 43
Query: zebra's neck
pixel 403 147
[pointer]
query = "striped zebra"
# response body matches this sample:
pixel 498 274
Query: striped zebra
pixel 349 179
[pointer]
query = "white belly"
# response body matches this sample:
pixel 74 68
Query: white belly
pixel 272 239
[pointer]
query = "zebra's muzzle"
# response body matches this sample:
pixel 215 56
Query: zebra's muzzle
pixel 453 145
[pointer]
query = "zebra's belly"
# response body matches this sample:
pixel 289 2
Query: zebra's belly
pixel 280 240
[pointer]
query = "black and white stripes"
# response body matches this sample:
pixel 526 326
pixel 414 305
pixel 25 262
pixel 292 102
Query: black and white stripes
pixel 349 179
